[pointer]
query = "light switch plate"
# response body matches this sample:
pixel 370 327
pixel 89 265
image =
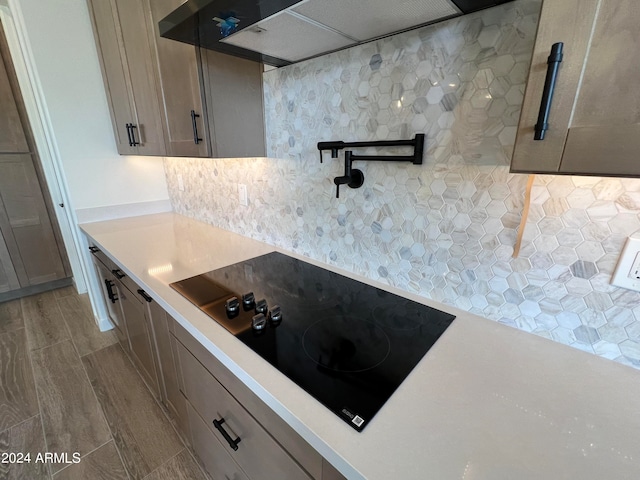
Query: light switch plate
pixel 180 183
pixel 627 274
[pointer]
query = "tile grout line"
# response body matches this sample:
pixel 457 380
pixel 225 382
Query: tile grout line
pixel 64 320
pixel 49 472
pixel 35 383
pixel 22 300
pixel 19 423
pixel 187 447
pixel 115 444
pixel 47 346
pixel 162 409
pixel 95 395
pixel 71 336
pixel 164 463
pixel 157 402
pixel 84 456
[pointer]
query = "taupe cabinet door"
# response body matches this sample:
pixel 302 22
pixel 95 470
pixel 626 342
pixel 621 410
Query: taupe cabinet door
pixel 12 138
pixel 25 222
pixel 594 121
pixel 235 104
pixel 8 277
pixel 169 384
pixel 128 68
pixel 139 329
pixel 107 35
pixel 181 88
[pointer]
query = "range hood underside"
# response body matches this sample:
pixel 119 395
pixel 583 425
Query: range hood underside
pixel 306 29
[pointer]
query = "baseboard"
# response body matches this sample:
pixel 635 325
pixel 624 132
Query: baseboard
pixel 111 212
pixel 104 324
pixel 35 289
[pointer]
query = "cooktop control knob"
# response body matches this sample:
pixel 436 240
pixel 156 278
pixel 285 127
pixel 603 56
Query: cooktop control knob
pixel 258 322
pixel 275 314
pixel 248 301
pixel 261 306
pixel 232 306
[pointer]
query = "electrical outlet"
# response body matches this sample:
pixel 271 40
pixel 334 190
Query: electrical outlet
pixel 243 198
pixel 634 274
pixel 180 183
pixel 627 274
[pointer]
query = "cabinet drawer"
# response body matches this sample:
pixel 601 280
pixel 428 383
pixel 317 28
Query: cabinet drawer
pixel 258 454
pixel 212 454
pixel 293 443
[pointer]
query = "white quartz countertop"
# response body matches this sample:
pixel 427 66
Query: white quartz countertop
pixel 487 402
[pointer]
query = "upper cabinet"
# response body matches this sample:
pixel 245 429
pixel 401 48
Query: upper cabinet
pixel 128 70
pixel 181 88
pixel 234 98
pixel 594 114
pixel 167 99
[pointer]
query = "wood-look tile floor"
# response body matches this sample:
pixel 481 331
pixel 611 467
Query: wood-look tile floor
pixel 68 389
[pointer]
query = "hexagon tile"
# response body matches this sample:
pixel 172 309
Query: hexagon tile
pixel 445 229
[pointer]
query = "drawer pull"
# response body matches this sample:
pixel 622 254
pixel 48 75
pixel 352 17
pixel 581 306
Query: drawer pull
pixel 112 296
pixel 118 273
pixel 232 443
pixel 145 295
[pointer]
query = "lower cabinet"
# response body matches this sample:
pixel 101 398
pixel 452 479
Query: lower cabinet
pixel 235 430
pixel 169 366
pixel 130 310
pixel 214 458
pixel 138 318
pixel 266 446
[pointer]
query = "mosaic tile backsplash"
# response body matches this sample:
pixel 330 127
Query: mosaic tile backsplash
pixel 445 229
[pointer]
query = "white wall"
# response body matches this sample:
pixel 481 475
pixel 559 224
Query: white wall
pixel 61 40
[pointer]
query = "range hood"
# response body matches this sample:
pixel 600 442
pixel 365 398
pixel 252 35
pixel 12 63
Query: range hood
pixel 281 32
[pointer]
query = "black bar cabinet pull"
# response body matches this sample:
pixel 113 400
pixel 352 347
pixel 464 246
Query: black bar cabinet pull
pixel 134 142
pixel 194 115
pixel 112 296
pixel 118 273
pixel 232 443
pixel 553 63
pixel 94 249
pixel 145 295
pixel 129 134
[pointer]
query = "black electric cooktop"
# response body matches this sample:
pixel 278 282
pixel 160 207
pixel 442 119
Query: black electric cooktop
pixel 348 344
